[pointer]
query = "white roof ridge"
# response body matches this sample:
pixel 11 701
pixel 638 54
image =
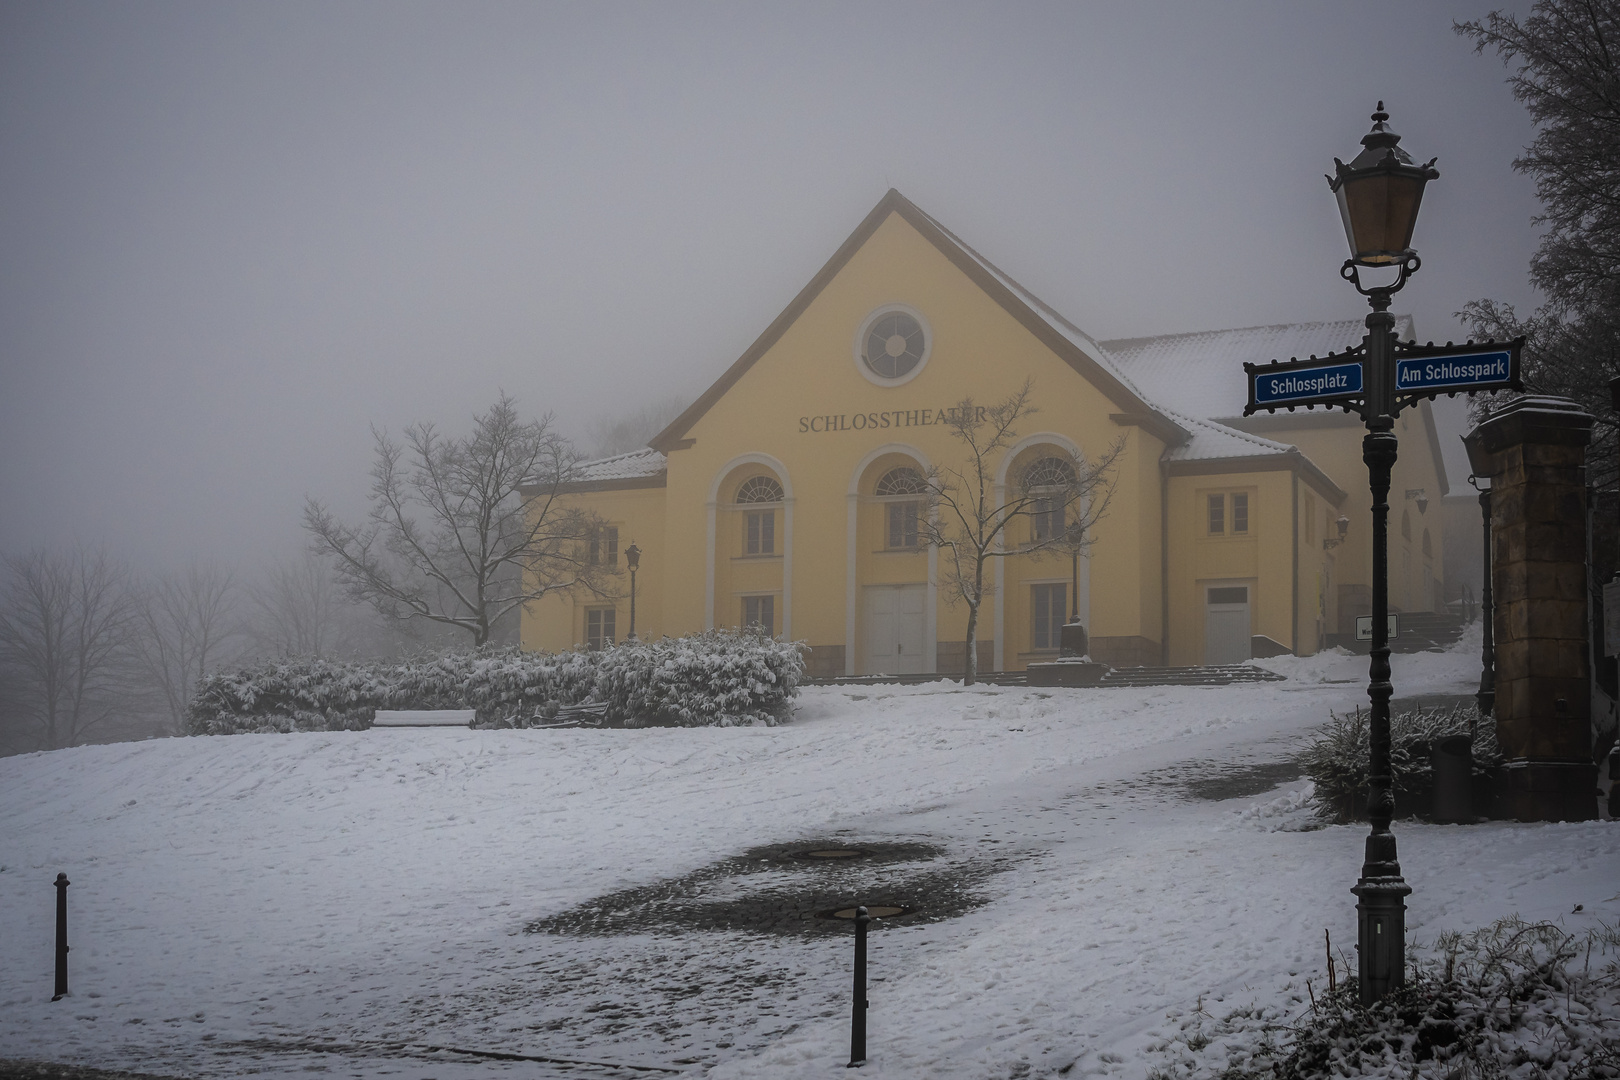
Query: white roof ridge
pixel 1215 425
pixel 619 457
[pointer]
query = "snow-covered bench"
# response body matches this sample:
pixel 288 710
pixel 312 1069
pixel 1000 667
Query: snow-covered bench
pixel 424 718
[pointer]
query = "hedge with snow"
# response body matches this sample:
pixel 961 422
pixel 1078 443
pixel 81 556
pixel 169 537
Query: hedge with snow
pixel 718 678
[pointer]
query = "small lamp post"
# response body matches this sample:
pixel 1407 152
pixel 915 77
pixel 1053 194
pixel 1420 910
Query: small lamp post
pixel 632 559
pixel 1379 194
pixel 1073 641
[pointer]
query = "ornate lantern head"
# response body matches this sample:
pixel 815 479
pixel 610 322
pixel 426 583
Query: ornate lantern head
pixel 1379 194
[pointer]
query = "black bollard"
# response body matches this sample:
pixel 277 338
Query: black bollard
pixel 857 1018
pixel 61 937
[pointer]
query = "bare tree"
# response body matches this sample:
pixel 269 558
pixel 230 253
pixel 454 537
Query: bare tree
pixel 187 622
pixel 297 608
pixel 66 620
pixel 464 532
pixel 968 513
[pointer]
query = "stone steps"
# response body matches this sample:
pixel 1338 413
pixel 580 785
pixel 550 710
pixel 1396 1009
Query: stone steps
pixel 1200 675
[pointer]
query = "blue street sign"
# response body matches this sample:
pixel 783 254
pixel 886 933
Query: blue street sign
pixel 1291 384
pixel 1454 371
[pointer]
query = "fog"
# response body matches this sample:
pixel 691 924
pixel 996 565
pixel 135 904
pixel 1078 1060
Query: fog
pixel 235 236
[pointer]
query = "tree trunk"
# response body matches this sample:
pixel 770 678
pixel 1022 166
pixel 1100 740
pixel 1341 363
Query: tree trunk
pixel 970 664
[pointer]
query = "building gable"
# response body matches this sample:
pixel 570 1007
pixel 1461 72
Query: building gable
pixel 1062 338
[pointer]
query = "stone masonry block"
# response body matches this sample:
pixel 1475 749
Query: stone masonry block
pixel 1541 581
pixel 1536 503
pixel 1565 619
pixel 1529 722
pixel 1544 656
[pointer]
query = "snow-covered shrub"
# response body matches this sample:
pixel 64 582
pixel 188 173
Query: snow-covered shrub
pixel 1337 760
pixel 1514 999
pixel 305 694
pixel 715 678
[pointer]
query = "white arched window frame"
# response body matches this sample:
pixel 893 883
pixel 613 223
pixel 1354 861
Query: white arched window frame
pixel 713 506
pixel 852 593
pixel 1070 449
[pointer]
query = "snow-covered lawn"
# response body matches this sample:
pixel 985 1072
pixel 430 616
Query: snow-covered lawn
pixel 237 900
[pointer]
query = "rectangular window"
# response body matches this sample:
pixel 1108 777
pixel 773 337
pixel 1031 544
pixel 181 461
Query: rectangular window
pixel 760 611
pixel 1049 607
pixel 601 628
pixel 1046 520
pixel 604 549
pixel 902 525
pixel 1224 523
pixel 761 539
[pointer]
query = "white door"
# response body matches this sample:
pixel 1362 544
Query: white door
pixel 894 629
pixel 1226 625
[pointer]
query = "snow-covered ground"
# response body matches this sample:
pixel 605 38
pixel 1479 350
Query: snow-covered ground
pixel 339 902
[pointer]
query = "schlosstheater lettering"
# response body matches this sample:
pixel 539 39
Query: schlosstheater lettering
pixel 896 418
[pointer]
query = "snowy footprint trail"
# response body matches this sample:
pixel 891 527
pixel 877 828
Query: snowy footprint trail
pixel 241 902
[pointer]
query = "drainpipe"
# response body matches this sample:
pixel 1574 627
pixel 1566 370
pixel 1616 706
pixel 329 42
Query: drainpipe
pixel 1164 562
pixel 1293 642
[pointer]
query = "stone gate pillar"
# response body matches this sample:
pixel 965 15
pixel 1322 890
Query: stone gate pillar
pixel 1534 451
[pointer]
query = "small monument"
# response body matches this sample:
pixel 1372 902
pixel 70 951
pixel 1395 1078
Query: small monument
pixel 1074 666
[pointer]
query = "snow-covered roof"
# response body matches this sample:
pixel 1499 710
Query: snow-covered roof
pixel 1201 374
pixel 631 466
pixel 1211 440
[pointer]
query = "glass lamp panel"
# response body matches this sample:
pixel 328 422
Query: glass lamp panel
pixel 1379 213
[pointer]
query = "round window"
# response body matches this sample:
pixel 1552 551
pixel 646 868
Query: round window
pixel 893 344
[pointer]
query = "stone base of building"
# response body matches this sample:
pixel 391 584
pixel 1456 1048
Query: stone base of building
pixel 824 662
pixel 1121 652
pixel 1066 673
pixel 1547 790
pixel 950 657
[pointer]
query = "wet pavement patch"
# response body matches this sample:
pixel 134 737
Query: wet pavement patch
pixel 780 889
pixel 1241 781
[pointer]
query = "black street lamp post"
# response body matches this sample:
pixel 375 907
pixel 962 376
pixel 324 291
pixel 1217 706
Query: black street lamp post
pixel 1379 194
pixel 632 559
pixel 1487 606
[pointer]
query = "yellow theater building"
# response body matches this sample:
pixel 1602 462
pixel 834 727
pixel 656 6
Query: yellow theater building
pixel 772 500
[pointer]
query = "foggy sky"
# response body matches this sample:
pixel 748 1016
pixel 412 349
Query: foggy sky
pixel 234 236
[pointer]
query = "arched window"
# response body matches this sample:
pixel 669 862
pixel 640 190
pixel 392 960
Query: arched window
pixel 1406 524
pixel 1051 481
pixel 1428 545
pixel 759 526
pixel 1049 472
pixel 902 481
pixel 901 513
pixel 759 489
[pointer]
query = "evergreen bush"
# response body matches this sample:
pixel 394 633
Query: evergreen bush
pixel 720 677
pixel 1337 761
pixel 1514 999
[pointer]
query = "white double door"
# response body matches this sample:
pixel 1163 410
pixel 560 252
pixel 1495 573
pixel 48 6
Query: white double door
pixel 895 630
pixel 1226 625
